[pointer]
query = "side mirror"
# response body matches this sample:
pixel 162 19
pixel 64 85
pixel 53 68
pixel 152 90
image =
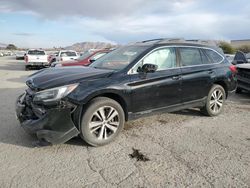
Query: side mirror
pixel 148 68
pixel 91 60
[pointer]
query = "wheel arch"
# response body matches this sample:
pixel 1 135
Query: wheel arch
pixel 224 85
pixel 112 95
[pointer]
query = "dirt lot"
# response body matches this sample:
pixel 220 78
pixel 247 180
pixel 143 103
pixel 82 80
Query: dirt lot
pixel 184 149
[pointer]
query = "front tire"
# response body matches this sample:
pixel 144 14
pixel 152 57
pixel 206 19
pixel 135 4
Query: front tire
pixel 215 101
pixel 238 90
pixel 102 121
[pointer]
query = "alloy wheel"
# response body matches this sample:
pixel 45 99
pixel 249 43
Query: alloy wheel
pixel 216 101
pixel 104 122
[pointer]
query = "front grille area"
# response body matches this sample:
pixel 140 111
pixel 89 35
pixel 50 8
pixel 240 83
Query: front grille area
pixel 243 77
pixel 244 73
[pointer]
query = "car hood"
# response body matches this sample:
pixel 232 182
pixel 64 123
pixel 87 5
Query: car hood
pixel 243 66
pixel 54 77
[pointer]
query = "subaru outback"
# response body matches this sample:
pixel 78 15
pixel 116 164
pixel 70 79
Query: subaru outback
pixel 135 80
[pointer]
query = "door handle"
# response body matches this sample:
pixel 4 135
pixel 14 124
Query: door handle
pixel 176 77
pixel 210 72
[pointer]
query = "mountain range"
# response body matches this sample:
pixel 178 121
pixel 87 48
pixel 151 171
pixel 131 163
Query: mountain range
pixel 2 45
pixel 82 46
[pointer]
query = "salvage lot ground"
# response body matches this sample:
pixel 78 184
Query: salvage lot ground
pixel 185 149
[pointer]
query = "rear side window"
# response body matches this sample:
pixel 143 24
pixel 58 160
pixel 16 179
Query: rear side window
pixel 36 52
pixel 190 56
pixel 213 56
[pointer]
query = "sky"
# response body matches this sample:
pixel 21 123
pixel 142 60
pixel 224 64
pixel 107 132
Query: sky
pixel 55 23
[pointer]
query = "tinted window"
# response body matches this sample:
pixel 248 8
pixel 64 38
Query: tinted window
pixel 240 56
pixel 36 52
pixel 213 56
pixel 204 58
pixel 190 56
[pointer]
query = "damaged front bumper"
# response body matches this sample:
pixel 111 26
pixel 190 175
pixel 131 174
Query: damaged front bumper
pixel 53 124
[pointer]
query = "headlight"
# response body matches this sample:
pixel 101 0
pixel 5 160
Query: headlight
pixel 54 94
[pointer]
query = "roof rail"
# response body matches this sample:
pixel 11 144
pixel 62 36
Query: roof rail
pixel 151 40
pixel 172 40
pixel 178 40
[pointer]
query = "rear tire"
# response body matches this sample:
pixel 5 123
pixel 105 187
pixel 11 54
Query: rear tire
pixel 215 101
pixel 238 90
pixel 102 121
pixel 27 68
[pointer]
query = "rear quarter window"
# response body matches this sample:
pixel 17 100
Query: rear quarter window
pixel 213 56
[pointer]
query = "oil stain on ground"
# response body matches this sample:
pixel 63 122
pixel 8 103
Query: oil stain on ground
pixel 138 155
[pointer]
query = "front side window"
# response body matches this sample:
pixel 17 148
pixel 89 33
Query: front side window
pixel 213 56
pixel 164 58
pixel 190 56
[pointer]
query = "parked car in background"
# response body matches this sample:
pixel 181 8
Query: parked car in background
pixel 230 57
pixel 248 57
pixel 52 57
pixel 240 58
pixel 65 55
pixel 136 80
pixel 84 60
pixel 243 77
pixel 20 55
pixel 35 58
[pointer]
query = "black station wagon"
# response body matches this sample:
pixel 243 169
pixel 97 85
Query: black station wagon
pixel 135 80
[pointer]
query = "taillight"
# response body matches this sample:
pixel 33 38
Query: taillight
pixel 233 69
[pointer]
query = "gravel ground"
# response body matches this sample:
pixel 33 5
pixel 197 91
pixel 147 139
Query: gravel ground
pixel 184 149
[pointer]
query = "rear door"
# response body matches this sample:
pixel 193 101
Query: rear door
pixel 158 89
pixel 197 73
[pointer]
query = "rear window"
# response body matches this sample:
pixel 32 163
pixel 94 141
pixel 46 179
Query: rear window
pixel 213 56
pixel 68 54
pixel 36 52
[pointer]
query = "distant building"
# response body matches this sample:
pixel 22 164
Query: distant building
pixel 238 43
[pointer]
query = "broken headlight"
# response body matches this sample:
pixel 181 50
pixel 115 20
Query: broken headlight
pixel 54 94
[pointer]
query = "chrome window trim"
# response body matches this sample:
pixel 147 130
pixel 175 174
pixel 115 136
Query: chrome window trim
pixel 178 46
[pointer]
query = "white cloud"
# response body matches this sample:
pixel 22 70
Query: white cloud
pixel 124 21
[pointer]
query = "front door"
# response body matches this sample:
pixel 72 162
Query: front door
pixel 159 89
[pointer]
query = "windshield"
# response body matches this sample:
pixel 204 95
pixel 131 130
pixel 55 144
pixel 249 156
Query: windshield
pixel 119 58
pixel 36 52
pixel 68 54
pixel 84 55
